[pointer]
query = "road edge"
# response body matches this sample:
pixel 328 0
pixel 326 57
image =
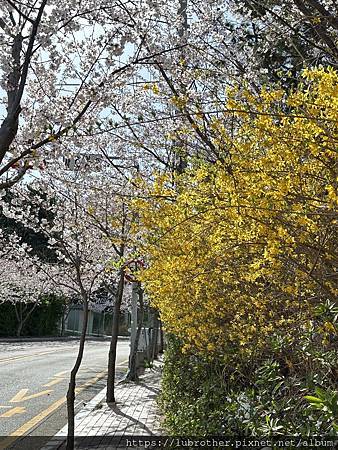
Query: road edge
pixel 57 338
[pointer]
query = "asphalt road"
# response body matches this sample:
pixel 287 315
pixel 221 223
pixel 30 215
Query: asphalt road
pixel 34 379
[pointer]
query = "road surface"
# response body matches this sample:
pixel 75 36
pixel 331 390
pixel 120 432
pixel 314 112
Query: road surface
pixel 34 379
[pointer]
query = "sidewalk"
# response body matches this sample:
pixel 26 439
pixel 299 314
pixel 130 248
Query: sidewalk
pixel 135 414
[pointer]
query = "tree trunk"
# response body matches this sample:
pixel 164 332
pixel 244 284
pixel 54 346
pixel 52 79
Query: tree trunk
pixel 19 329
pixel 155 337
pixel 150 342
pixel 72 381
pixel 18 314
pixel 65 314
pixel 20 317
pixel 62 331
pixel 132 370
pixel 110 398
pixel 161 339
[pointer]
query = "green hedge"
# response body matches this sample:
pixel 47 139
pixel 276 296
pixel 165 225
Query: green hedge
pixel 42 322
pixel 201 396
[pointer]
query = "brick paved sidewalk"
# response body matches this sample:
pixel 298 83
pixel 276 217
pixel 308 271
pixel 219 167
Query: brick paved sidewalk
pixel 99 426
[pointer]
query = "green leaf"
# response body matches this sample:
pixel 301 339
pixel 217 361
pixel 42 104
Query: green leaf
pixel 312 399
pixel 321 393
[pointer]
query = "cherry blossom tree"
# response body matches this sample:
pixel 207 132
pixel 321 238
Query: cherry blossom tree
pixel 83 256
pixel 218 45
pixel 105 204
pixel 62 68
pixel 22 283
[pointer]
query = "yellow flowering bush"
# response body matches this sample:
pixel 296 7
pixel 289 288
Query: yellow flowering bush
pixel 245 247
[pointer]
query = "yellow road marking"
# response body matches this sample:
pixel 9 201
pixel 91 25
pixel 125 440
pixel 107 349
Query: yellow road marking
pixel 57 378
pixel 61 373
pixel 123 362
pixel 90 381
pixel 30 424
pixel 13 411
pixel 35 420
pixel 51 383
pixel 26 427
pixel 15 358
pixel 22 397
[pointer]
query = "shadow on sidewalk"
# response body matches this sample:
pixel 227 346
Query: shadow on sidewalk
pixel 156 391
pixel 118 412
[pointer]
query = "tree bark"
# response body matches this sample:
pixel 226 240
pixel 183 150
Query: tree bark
pixel 62 331
pixel 155 336
pixel 161 339
pixel 150 342
pixel 22 320
pixel 132 370
pixel 19 329
pixel 72 381
pixel 17 80
pixel 65 314
pixel 110 397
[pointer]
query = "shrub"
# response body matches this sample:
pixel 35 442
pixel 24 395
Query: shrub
pixel 290 391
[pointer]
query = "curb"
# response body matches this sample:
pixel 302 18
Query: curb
pixel 57 338
pixel 60 437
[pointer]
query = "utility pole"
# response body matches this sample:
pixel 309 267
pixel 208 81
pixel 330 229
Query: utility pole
pixel 137 321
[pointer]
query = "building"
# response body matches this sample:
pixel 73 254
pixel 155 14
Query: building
pixel 99 322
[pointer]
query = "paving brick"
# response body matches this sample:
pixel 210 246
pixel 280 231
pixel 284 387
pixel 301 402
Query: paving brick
pixel 134 414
